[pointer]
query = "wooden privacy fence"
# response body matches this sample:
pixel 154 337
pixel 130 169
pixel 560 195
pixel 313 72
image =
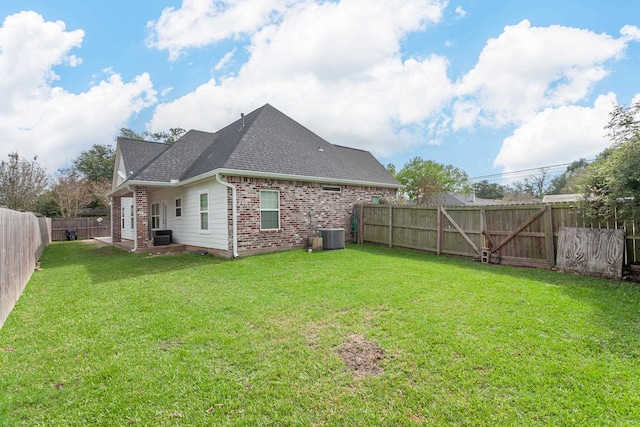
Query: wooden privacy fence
pixel 23 238
pixel 87 228
pixel 519 235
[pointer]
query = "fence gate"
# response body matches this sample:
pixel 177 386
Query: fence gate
pixel 460 232
pixel 522 236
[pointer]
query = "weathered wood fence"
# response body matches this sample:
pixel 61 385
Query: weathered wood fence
pixel 23 238
pixel 86 228
pixel 519 235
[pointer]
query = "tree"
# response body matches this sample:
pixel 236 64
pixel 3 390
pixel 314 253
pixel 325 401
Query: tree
pixel 22 182
pixel 96 163
pixel 612 181
pixel 391 168
pixel 567 182
pixel 425 180
pixel 165 137
pixel 519 191
pixel 47 205
pixel 537 184
pixel 488 190
pixel 71 192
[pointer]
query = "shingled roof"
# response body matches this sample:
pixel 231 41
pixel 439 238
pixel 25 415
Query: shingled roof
pixel 265 141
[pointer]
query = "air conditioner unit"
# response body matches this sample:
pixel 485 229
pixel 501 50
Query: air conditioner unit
pixel 332 238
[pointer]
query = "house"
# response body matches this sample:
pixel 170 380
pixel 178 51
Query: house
pixel 562 198
pixel 467 199
pixel 262 183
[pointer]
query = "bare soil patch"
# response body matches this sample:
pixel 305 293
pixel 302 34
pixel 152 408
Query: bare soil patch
pixel 362 356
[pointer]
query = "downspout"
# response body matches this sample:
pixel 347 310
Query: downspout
pixel 234 220
pixel 135 220
pixel 111 217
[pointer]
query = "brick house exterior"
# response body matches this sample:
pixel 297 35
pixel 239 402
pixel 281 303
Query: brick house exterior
pixel 263 183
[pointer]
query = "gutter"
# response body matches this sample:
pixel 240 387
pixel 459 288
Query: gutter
pixel 287 177
pixel 234 213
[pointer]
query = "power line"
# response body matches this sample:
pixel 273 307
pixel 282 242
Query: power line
pixel 514 174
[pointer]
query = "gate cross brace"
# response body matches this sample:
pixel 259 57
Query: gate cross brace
pixel 519 228
pixel 460 230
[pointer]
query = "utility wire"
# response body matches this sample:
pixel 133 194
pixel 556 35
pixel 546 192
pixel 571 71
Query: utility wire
pixel 523 172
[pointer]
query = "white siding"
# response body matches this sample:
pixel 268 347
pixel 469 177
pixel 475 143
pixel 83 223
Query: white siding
pixel 186 229
pixel 126 204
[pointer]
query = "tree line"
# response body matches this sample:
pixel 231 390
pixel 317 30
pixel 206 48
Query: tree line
pixel 26 186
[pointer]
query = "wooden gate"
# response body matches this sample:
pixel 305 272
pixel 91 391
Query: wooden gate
pixel 520 236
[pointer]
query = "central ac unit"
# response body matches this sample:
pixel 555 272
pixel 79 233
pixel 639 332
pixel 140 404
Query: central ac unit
pixel 332 238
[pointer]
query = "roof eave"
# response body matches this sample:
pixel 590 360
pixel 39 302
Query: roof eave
pixel 123 188
pixel 287 177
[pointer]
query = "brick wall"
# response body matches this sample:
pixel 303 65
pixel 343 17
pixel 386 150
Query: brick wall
pixel 142 216
pixel 304 208
pixel 116 219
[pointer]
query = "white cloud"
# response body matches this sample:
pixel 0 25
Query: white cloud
pixel 557 135
pixel 41 119
pixel 225 60
pixel 630 33
pixel 335 67
pixel 460 12
pixel 203 22
pixel 527 69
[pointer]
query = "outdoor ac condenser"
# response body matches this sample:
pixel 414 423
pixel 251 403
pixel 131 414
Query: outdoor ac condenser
pixel 332 238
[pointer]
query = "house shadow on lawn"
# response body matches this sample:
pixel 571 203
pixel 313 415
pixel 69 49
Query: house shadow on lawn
pixel 615 304
pixel 107 263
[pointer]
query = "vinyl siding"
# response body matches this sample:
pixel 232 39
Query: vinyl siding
pixel 186 229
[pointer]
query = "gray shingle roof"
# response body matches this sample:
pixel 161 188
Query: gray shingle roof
pixel 269 142
pixel 137 153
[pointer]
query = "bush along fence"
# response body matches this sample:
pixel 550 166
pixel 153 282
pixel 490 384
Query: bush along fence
pixel 518 235
pixel 85 228
pixel 23 237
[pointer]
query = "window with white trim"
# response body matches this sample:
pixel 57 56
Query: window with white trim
pixel 269 210
pixel 155 216
pixel 123 217
pixel 178 205
pixel 204 211
pixel 376 199
pixel 131 217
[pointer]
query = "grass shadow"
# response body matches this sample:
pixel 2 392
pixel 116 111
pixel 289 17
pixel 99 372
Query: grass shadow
pixel 107 263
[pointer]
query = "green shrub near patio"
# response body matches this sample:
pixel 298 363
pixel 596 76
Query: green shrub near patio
pixel 363 336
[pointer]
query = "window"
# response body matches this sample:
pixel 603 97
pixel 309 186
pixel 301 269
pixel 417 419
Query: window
pixel 155 216
pixel 178 208
pixel 123 217
pixel 269 209
pixel 331 188
pixel 376 200
pixel 131 217
pixel 204 211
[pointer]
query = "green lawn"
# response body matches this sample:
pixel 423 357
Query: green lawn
pixel 106 337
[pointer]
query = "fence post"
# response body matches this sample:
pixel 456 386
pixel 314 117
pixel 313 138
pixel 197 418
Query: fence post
pixel 390 226
pixel 440 232
pixel 548 237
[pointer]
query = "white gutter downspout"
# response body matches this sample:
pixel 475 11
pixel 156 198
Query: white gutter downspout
pixel 135 220
pixel 234 214
pixel 111 217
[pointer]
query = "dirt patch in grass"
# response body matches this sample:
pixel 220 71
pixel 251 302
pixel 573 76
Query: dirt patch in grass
pixel 362 356
pixel 166 345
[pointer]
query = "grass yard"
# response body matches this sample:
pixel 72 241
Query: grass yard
pixel 365 336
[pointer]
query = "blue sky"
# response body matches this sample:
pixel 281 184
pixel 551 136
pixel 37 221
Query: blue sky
pixel 487 86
